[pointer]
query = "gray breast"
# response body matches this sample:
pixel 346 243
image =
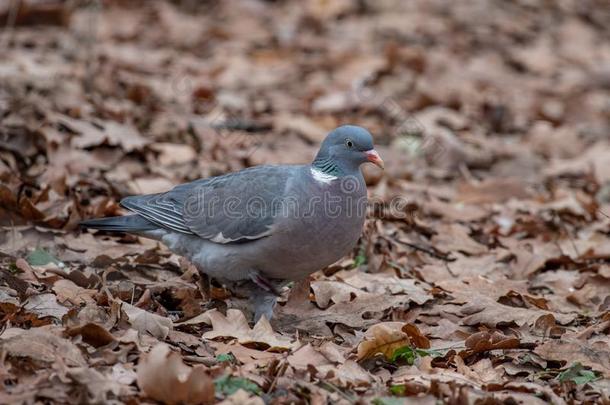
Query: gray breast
pixel 321 223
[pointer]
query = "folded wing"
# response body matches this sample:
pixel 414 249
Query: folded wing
pixel 233 208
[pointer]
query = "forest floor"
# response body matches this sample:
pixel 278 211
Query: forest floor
pixel 483 273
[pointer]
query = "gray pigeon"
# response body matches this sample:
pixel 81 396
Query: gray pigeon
pixel 261 227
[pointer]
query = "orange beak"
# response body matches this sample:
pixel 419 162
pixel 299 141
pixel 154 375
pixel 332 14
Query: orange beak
pixel 373 157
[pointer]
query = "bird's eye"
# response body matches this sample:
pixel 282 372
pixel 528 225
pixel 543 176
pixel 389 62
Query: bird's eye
pixel 349 143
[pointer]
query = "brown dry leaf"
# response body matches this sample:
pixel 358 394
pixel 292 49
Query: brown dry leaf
pixel 485 341
pixel 93 334
pixel 358 313
pixel 146 322
pixel 69 293
pixel 485 311
pixel 40 345
pixel 163 376
pixel 347 374
pixel 595 157
pixel 244 354
pixel 416 336
pixel 85 247
pixel 531 255
pixel 490 191
pixel 44 305
pixel 111 132
pixel 455 237
pixel 383 338
pixel 594 353
pixel 327 292
pixel 307 356
pixel 482 371
pixel 385 283
pixel 101 388
pixel 235 325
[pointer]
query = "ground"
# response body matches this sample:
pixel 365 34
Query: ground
pixel 483 272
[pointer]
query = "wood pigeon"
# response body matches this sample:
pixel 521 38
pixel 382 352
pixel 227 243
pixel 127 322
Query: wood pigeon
pixel 263 226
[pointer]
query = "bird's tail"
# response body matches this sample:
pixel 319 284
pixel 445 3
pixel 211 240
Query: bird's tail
pixel 126 223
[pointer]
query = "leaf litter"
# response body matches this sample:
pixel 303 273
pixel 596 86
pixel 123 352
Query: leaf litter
pixel 482 273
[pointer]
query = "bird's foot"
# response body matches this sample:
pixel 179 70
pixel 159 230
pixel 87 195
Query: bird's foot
pixel 264 283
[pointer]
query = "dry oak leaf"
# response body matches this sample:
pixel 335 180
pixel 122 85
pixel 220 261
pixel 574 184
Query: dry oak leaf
pixel 147 322
pixel 235 325
pixel 92 333
pixel 327 291
pixel 244 354
pixel 455 237
pixel 486 311
pixel 347 374
pixel 483 371
pixel 94 134
pixel 70 293
pixel 40 345
pixel 99 385
pixel 384 338
pixel 485 341
pixel 361 312
pixel 591 354
pixel 306 356
pixel 384 283
pixel 163 376
pixel 44 305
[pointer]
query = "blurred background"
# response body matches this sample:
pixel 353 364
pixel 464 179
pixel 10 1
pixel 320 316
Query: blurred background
pixel 101 99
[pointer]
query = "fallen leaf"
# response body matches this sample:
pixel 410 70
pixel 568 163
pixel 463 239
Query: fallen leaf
pixel 69 293
pixel 383 338
pixel 44 305
pixel 163 376
pixel 42 346
pixel 234 325
pixel 101 388
pixel 146 322
pixel 93 334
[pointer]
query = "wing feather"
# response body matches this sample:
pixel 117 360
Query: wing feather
pixel 233 208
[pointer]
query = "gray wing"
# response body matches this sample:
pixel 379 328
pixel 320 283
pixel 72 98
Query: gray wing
pixel 236 207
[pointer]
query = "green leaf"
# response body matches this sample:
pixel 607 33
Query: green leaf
pixel 13 269
pixel 360 259
pixel 409 354
pixel 398 390
pixel 388 401
pixel 405 353
pixel 40 257
pixel 228 385
pixel 225 357
pixel 577 374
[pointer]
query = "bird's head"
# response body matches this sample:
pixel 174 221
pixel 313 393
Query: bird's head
pixel 346 148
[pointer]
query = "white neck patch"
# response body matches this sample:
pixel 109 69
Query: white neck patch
pixel 322 177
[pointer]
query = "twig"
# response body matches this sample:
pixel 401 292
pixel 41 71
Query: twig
pixel 427 251
pixel 208 361
pixel 333 388
pixel 279 373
